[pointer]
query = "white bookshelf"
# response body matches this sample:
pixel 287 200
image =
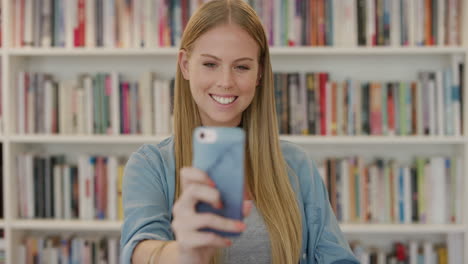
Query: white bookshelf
pixel 275 51
pixel 309 140
pixel 67 225
pixel 114 226
pixel 401 229
pixel 400 63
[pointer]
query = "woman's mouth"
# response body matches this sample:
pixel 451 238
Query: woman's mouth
pixel 224 100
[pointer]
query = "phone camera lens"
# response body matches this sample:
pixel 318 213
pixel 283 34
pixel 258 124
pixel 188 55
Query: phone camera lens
pixel 202 135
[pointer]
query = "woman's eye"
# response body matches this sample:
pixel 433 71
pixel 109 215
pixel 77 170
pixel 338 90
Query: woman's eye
pixel 243 68
pixel 209 65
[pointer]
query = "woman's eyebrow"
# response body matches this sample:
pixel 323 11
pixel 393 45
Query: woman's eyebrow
pixel 218 59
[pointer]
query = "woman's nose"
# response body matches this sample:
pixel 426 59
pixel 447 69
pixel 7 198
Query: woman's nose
pixel 226 80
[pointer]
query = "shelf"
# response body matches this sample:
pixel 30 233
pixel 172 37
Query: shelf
pixel 87 139
pixel 91 52
pixel 67 225
pixel 80 225
pixel 364 50
pixel 402 228
pixel 341 140
pixel 313 140
pixel 172 51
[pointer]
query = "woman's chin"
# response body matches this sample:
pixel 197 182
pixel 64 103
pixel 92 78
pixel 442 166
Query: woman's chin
pixel 225 121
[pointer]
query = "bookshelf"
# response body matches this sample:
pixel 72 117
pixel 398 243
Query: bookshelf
pixel 114 226
pixel 376 63
pixel 316 140
pixel 288 51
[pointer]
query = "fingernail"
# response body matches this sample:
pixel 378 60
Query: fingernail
pixel 240 226
pixel 211 183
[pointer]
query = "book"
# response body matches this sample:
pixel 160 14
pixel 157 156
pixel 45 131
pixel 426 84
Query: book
pixel 157 23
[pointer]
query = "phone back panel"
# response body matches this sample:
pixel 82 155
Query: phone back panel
pixel 219 151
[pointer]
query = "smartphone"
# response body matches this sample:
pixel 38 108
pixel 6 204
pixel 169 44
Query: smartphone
pixel 219 151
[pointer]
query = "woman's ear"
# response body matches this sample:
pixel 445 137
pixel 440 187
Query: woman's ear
pixel 183 63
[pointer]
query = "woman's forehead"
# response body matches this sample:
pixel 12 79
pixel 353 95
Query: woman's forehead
pixel 226 41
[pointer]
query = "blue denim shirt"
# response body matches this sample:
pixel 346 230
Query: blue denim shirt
pixel 148 195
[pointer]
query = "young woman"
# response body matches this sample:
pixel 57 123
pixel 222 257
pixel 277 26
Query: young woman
pixel 224 78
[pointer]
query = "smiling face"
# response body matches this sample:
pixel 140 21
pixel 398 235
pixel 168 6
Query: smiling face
pixel 223 71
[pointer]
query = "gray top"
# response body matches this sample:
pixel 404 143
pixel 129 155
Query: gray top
pixel 253 245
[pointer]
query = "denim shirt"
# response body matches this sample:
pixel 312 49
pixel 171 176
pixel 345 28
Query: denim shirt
pixel 148 195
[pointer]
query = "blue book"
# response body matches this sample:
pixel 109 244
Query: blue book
pixel 59 24
pixel 401 203
pixel 409 109
pixel 329 23
pixel 455 103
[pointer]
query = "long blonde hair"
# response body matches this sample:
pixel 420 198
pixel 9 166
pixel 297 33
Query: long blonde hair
pixel 266 170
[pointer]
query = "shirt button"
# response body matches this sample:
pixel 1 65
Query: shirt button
pixel 304 256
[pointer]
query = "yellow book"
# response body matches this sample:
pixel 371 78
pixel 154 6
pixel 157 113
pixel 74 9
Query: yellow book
pixel 442 254
pixel 120 213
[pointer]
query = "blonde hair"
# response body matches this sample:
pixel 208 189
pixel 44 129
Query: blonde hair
pixel 266 170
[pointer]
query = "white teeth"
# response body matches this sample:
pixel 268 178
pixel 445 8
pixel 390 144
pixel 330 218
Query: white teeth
pixel 223 100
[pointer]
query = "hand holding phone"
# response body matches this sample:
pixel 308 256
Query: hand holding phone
pixel 195 210
pixel 219 151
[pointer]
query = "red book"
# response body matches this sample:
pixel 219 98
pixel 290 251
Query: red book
pixel 81 23
pixel 391 109
pixel 400 252
pixel 428 23
pixel 323 79
pixel 97 188
pixel 103 190
pixel 87 187
pixel 76 29
pixel 164 36
pixel 125 110
pixel 185 13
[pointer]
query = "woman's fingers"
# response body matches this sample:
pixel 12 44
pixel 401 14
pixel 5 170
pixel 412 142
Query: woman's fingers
pixel 246 207
pixel 213 221
pixel 195 193
pixel 190 175
pixel 187 223
pixel 194 222
pixel 188 230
